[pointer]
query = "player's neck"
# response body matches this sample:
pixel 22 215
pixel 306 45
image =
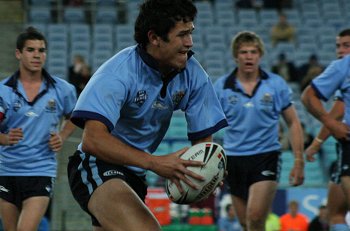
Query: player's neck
pixel 30 76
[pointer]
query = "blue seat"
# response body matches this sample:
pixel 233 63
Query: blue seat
pixel 59 28
pixel 74 15
pixel 40 3
pixel 109 3
pixel 106 15
pixel 40 15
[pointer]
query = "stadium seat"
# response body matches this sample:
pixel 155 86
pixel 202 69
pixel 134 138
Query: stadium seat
pixel 40 15
pixel 36 3
pixel 109 3
pixel 106 15
pixel 74 15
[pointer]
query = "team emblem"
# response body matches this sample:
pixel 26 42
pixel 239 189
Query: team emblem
pixel 177 97
pixel 140 98
pixel 51 106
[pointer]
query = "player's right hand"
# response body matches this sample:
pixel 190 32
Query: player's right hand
pixel 175 169
pixel 14 136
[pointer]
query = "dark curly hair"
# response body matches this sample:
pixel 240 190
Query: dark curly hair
pixel 161 16
pixel 30 33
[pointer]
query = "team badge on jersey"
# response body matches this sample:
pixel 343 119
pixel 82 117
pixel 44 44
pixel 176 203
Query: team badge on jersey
pixel 51 106
pixel 233 99
pixel 177 97
pixel 266 99
pixel 140 98
pixel 17 105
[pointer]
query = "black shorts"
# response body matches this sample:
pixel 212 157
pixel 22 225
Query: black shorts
pixel 86 173
pixel 243 171
pixel 344 159
pixel 335 169
pixel 16 189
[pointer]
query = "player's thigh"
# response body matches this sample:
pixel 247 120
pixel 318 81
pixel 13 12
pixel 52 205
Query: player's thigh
pixel 33 209
pixel 260 198
pixel 9 215
pixel 345 183
pixel 117 207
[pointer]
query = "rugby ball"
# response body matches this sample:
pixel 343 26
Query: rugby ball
pixel 213 170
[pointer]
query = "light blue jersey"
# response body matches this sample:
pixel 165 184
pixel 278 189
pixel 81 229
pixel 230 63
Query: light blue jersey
pixel 32 156
pixel 127 94
pixel 335 77
pixel 253 120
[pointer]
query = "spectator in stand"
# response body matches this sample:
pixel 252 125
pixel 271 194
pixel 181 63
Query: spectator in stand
pixel 282 31
pixel 79 73
pixel 320 222
pixel 285 68
pixel 293 220
pixel 230 221
pixel 272 222
pixel 309 70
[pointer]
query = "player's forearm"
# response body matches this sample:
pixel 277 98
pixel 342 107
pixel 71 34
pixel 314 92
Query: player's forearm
pixel 296 139
pixel 98 141
pixel 314 105
pixel 67 129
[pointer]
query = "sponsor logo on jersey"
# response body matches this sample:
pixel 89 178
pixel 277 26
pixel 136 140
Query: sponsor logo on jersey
pixel 31 114
pixel 248 105
pixel 140 98
pixel 267 173
pixel 112 173
pixel 159 105
pixel 2 188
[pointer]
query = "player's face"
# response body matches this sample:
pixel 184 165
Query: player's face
pixel 343 46
pixel 173 53
pixel 248 58
pixel 33 55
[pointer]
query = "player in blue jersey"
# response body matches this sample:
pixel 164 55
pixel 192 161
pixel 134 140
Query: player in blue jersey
pixel 253 101
pixel 30 135
pixel 125 111
pixel 336 201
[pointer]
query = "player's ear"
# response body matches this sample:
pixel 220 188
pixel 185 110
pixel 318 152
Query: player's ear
pixel 153 38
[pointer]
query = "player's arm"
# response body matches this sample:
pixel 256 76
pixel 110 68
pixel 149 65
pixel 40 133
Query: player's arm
pixel 297 142
pixel 336 112
pixel 98 141
pixel 314 105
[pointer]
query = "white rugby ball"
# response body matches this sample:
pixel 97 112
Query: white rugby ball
pixel 213 155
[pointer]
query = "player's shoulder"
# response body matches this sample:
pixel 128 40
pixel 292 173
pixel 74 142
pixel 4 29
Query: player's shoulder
pixel 272 77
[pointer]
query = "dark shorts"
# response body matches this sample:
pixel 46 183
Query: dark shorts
pixel 343 161
pixel 243 171
pixel 16 189
pixel 335 168
pixel 86 173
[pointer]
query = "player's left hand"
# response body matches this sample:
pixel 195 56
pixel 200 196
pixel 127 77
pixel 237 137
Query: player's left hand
pixel 55 142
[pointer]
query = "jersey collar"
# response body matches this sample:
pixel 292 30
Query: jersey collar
pixel 231 81
pixel 12 81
